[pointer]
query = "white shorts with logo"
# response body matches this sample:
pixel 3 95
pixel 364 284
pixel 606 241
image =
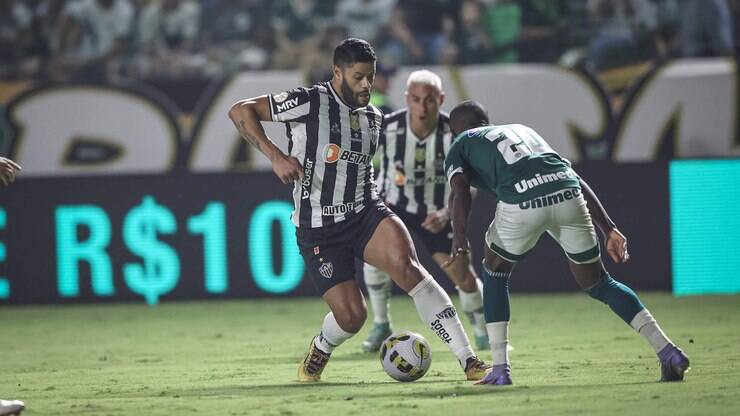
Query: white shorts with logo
pixel 516 228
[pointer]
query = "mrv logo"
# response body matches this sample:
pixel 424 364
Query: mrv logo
pixel 526 184
pixel 287 105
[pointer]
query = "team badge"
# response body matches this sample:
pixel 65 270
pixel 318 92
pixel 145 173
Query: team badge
pixel 326 269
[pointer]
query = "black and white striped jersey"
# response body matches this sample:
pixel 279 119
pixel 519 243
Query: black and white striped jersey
pixel 412 176
pixel 335 144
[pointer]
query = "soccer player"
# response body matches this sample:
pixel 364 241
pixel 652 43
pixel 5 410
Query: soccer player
pixel 412 148
pixel 8 170
pixel 538 192
pixel 332 136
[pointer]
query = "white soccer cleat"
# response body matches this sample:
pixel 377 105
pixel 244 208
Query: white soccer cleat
pixel 11 407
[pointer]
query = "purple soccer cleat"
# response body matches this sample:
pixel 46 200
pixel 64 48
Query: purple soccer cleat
pixel 500 375
pixel 673 363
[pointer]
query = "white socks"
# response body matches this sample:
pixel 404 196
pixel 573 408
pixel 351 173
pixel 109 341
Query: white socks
pixel 645 324
pixel 498 336
pixel 472 305
pixel 379 291
pixel 332 335
pixel 436 310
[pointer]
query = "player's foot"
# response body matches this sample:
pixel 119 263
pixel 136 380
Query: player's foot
pixel 377 335
pixel 481 342
pixel 673 363
pixel 11 407
pixel 314 363
pixel 475 369
pixel 500 375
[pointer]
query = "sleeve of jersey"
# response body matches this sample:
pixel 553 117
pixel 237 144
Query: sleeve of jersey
pixel 293 105
pixel 453 161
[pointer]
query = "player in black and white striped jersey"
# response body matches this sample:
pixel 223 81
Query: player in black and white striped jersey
pixel 333 134
pixel 412 181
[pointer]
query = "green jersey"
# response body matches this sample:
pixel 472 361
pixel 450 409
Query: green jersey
pixel 511 160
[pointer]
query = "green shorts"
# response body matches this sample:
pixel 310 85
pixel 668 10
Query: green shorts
pixel 516 228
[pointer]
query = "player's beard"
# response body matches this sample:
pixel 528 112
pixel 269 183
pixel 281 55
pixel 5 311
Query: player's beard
pixel 352 98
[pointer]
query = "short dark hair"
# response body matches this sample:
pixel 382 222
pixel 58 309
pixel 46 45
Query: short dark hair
pixel 468 114
pixel 352 51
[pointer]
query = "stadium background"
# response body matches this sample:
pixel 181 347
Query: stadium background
pixel 136 187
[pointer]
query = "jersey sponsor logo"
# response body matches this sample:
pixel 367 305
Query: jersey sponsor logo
pixel 538 179
pixel 339 209
pixel 326 269
pixel 448 313
pixel 334 153
pixel 440 330
pixel 279 98
pixel 553 199
pixel 306 182
pixel 287 105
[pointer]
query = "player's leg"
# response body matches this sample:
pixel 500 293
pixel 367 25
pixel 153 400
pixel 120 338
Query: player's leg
pixel 575 233
pixel 511 235
pixel 470 291
pixel 390 249
pixel 379 287
pixel 332 271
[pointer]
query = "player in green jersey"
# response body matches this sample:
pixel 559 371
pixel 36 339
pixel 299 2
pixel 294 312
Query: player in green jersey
pixel 537 192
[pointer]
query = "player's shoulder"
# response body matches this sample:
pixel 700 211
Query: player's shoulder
pixel 395 116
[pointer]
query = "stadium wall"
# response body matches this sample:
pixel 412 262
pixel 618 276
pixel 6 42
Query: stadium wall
pixel 227 235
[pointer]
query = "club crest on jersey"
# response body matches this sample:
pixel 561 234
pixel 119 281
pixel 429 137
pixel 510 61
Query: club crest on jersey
pixel 334 153
pixel 326 269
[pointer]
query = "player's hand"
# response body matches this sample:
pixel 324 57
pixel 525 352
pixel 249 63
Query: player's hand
pixel 616 246
pixel 287 168
pixel 436 221
pixel 8 170
pixel 460 247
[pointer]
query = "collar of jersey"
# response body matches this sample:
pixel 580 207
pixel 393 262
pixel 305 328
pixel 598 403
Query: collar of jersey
pixel 341 100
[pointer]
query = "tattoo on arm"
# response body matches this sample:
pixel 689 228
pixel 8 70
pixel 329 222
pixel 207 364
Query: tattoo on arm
pixel 251 139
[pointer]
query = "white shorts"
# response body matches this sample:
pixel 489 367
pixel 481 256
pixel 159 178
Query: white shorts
pixel 516 228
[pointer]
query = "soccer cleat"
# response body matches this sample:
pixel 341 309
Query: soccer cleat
pixel 314 363
pixel 11 407
pixel 377 335
pixel 475 369
pixel 499 376
pixel 674 363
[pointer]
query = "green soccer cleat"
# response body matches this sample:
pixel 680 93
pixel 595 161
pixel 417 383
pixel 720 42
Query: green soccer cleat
pixel 481 342
pixel 377 335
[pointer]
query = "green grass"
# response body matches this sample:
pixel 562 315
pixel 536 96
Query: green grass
pixel 572 356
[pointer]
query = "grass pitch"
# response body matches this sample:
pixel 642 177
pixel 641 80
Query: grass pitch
pixel 572 356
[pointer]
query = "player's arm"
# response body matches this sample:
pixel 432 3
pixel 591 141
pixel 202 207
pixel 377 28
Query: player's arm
pixel 616 242
pixel 460 201
pixel 248 115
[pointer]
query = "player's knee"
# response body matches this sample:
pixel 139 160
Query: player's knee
pixel 352 319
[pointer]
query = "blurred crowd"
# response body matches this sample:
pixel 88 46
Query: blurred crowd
pixel 104 40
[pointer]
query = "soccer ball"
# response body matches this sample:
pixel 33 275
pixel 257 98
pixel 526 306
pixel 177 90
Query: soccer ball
pixel 405 356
